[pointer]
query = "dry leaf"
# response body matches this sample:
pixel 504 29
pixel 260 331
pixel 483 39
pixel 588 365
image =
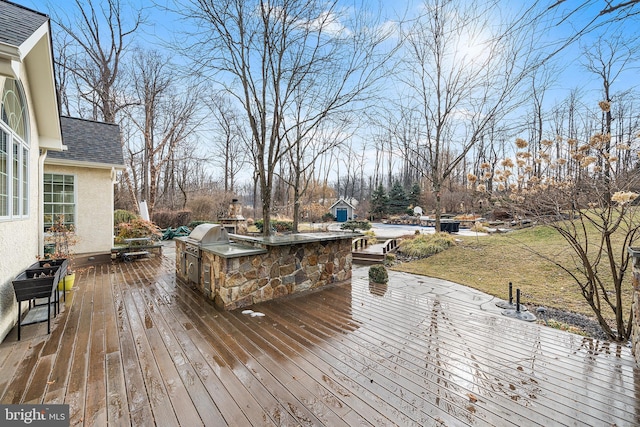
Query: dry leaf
pixel 472 398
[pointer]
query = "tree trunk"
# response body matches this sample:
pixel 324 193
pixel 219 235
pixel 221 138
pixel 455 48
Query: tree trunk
pixel 266 214
pixel 438 205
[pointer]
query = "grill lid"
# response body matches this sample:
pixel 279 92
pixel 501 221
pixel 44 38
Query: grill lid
pixel 205 234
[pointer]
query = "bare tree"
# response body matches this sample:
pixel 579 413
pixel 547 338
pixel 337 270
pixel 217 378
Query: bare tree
pixel 598 222
pixel 463 70
pixel 94 53
pixel 229 139
pixel 62 53
pixel 90 51
pixel 608 58
pixel 266 52
pixel 306 146
pixel 165 117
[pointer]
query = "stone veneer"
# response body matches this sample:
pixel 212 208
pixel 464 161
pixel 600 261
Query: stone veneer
pixel 234 282
pixel 635 327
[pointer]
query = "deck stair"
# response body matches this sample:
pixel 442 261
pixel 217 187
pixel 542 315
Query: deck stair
pixel 364 253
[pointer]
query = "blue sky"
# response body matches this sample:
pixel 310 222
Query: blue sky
pixel 571 74
pixel 160 26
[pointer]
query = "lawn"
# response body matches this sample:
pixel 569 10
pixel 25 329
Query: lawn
pixel 490 263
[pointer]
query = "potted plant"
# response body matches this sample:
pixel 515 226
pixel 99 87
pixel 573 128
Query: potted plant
pixel 378 274
pixel 60 239
pixel 378 278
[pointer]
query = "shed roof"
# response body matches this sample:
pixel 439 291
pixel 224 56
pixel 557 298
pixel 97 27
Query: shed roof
pixel 18 23
pixel 89 142
pixel 342 200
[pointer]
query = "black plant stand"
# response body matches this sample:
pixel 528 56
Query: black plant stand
pixel 38 283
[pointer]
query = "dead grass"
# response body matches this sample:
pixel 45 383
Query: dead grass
pixel 490 263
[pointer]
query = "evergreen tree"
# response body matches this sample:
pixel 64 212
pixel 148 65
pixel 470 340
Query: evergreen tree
pixel 379 202
pixel 414 195
pixel 397 199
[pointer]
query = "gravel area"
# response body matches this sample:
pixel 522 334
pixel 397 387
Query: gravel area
pixel 589 326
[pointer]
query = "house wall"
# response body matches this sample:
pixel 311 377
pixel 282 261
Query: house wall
pixel 94 207
pixel 19 238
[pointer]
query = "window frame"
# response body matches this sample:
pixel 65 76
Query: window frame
pixel 16 201
pixel 17 176
pixel 51 202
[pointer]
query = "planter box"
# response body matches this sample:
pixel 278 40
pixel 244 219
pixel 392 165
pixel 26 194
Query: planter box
pixel 51 262
pixel 63 263
pixel 37 282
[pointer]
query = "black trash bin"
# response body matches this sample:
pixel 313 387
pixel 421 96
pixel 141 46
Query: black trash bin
pixel 450 226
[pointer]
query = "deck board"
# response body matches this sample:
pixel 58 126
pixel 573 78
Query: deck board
pixel 134 347
pixel 95 412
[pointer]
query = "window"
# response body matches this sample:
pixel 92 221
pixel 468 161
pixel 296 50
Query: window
pixel 14 109
pixel 59 199
pixel 14 152
pixel 25 180
pixel 4 174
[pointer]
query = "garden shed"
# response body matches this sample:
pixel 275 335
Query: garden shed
pixel 342 210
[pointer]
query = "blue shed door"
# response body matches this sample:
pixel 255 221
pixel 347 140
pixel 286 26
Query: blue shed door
pixel 341 215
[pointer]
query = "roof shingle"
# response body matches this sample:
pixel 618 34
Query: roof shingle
pixel 89 141
pixel 17 23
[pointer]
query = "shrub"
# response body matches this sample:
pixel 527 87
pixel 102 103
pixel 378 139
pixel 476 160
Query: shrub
pixel 371 237
pixel 378 274
pixel 328 217
pixel 210 206
pixel 167 218
pixel 355 225
pixel 137 228
pixel 279 226
pixel 121 215
pixel 478 227
pixel 389 259
pixel 194 224
pixel 426 244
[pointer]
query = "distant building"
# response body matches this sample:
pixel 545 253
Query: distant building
pixel 343 210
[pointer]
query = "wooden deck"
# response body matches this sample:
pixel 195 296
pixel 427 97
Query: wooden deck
pixel 133 347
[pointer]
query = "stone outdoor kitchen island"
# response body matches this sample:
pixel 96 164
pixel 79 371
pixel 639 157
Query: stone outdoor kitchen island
pixel 246 270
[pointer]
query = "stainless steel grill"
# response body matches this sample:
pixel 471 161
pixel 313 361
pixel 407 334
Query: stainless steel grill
pixel 203 234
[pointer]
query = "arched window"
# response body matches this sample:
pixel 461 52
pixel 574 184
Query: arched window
pixel 14 109
pixel 14 151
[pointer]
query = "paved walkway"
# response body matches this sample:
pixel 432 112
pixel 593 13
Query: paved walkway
pixel 431 286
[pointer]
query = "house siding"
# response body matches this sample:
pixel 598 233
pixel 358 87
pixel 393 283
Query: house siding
pixel 19 237
pixel 94 207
